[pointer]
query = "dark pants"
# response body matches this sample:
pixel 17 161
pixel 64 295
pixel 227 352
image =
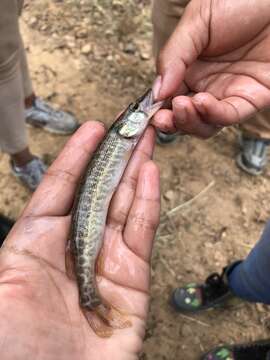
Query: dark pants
pixel 250 280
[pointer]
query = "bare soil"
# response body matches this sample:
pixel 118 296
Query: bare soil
pixel 93 58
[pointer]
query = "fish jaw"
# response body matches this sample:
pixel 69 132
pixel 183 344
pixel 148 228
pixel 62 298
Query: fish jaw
pixel 148 105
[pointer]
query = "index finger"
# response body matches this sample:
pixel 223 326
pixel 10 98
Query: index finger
pixel 55 194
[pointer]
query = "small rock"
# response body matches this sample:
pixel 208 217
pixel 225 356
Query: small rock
pixel 144 55
pixel 81 33
pixel 33 21
pixel 44 27
pixel 129 48
pixel 169 195
pixel 244 210
pixel 86 49
pixel 110 57
pixel 260 308
pixel 129 80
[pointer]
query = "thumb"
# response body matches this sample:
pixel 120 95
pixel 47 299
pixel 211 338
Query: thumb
pixel 185 45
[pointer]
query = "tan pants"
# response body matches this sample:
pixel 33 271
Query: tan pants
pixel 15 83
pixel 165 16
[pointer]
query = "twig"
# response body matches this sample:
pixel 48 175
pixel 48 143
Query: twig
pixel 195 320
pixel 191 201
pixel 248 246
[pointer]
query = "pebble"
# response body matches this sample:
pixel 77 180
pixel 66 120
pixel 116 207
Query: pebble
pixel 129 48
pixel 82 33
pixel 169 195
pixel 144 55
pixel 33 21
pixel 86 49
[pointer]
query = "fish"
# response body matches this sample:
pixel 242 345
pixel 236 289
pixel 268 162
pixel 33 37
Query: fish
pixel 99 183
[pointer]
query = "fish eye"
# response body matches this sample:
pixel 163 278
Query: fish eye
pixel 135 106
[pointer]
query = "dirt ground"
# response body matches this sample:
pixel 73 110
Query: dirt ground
pixel 93 58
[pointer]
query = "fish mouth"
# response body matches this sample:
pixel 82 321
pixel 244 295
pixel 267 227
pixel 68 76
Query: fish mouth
pixel 147 103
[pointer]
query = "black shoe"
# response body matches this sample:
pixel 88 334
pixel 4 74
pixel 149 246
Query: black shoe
pixel 5 226
pixel 214 292
pixel 165 139
pixel 258 350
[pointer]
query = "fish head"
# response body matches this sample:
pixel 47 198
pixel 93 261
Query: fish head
pixel 133 122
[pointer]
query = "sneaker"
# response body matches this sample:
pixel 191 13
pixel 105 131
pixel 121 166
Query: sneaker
pixel 5 226
pixel 42 115
pixel 214 292
pixel 165 139
pixel 259 350
pixel 30 174
pixel 253 156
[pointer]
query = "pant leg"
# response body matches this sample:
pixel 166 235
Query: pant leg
pixel 250 280
pixel 12 130
pixel 26 79
pixel 27 83
pixel 258 127
pixel 165 16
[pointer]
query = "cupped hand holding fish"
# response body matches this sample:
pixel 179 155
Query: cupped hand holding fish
pixel 39 305
pixel 220 53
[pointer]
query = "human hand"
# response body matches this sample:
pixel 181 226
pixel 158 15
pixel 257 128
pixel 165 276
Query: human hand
pixel 39 305
pixel 219 52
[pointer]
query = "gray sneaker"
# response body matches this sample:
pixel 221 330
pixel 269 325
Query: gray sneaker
pixel 30 174
pixel 165 139
pixel 253 156
pixel 42 115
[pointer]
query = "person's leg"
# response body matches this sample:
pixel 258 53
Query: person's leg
pixel 37 112
pixel 13 138
pixel 250 280
pixel 165 16
pixel 254 141
pixel 26 79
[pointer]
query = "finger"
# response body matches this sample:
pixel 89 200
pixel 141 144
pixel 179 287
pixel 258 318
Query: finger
pixel 224 112
pixel 54 196
pixel 187 42
pixel 143 218
pixel 189 120
pixel 125 260
pixel 122 200
pixel 164 121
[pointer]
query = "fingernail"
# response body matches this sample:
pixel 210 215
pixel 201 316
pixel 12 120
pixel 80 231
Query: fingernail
pixel 156 87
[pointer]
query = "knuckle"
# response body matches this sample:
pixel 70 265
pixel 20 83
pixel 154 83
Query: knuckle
pixel 144 223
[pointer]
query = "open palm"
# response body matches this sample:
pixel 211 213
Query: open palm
pixel 221 51
pixel 39 305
